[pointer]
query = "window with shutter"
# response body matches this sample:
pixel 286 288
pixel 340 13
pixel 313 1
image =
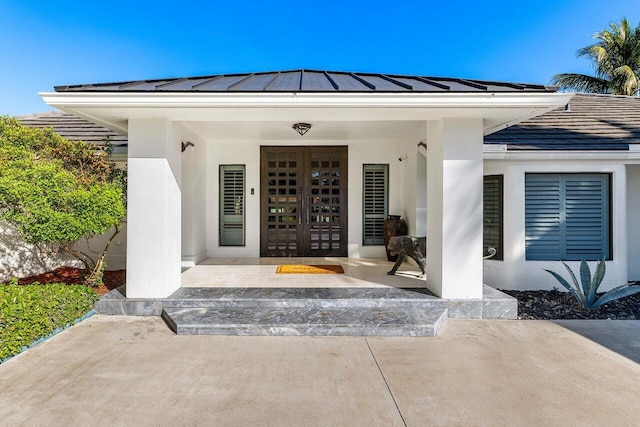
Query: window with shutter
pixel 567 216
pixel 375 197
pixel 232 227
pixel 492 216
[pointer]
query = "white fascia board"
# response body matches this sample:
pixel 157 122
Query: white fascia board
pixel 618 155
pixel 229 99
pixel 634 147
pixel 494 148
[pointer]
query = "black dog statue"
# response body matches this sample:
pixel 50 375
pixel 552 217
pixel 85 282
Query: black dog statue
pixel 407 246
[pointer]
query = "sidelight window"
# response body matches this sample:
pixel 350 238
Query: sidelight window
pixel 375 196
pixel 232 205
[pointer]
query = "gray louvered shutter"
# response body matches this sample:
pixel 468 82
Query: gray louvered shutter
pixel 232 183
pixel 492 215
pixel 587 216
pixel 375 203
pixel 567 216
pixel 543 217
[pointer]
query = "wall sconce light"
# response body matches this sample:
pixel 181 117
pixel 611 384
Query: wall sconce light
pixel 301 128
pixel 422 144
pixel 403 157
pixel 187 144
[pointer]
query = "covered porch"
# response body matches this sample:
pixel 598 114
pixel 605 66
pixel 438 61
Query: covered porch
pixel 261 273
pixel 182 133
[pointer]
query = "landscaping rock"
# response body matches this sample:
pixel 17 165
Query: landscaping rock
pixel 553 305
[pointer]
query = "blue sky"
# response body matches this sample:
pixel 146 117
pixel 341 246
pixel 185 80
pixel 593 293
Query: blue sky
pixel 48 43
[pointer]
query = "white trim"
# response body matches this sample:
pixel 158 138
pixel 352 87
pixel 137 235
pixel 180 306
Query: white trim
pixel 634 147
pixel 494 148
pixel 192 260
pixel 627 156
pixel 230 99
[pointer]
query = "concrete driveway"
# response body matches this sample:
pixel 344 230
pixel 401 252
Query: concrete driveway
pixel 112 370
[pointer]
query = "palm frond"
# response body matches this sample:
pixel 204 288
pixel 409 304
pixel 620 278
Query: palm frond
pixel 581 83
pixel 615 56
pixel 625 81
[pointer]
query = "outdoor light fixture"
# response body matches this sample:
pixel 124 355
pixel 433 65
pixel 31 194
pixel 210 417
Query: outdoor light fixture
pixel 301 128
pixel 187 144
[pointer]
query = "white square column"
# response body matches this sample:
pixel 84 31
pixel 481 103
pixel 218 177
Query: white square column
pixel 454 207
pixel 153 209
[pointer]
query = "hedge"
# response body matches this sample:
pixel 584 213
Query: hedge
pixel 31 312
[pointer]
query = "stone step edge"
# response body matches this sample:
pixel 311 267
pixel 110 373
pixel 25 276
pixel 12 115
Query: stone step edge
pixel 301 303
pixel 305 329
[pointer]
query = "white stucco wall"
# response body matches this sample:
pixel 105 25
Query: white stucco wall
pixel 154 211
pixel 18 259
pixel 421 195
pixel 515 272
pixel 454 207
pixel 194 201
pixel 359 152
pixel 633 221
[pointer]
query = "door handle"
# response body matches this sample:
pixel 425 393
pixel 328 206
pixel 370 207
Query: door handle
pixel 308 208
pixel 300 208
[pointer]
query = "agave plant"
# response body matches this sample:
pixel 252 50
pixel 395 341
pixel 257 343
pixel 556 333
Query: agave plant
pixel 585 292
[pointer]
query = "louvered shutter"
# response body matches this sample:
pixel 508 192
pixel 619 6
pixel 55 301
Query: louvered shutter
pixel 542 217
pixel 566 216
pixel 375 202
pixel 232 183
pixel 492 215
pixel 587 216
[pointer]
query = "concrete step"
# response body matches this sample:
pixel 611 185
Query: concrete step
pixel 310 321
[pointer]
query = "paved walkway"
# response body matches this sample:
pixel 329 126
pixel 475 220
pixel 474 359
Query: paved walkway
pixel 111 370
pixel 261 272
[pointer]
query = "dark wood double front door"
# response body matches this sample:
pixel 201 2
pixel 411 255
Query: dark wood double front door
pixel 303 201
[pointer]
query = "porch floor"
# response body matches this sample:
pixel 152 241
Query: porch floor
pixel 261 273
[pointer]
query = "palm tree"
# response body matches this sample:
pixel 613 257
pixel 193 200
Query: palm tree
pixel 616 58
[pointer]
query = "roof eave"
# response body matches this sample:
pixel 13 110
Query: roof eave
pixel 113 109
pixel 338 99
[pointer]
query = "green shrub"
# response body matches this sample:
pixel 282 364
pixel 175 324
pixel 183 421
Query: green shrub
pixel 59 193
pixel 30 312
pixel 585 291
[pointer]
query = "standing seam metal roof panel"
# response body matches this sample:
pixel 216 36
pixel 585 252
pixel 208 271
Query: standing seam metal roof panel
pixel 316 81
pixel 346 82
pixel 385 85
pixel 283 81
pixel 309 81
pixel 419 85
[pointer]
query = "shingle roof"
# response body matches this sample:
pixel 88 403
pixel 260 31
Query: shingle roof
pixel 591 122
pixel 73 128
pixel 308 81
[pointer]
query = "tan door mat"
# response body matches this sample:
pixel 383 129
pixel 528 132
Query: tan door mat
pixel 309 269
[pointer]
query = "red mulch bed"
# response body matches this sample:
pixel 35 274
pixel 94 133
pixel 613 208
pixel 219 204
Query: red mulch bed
pixel 71 275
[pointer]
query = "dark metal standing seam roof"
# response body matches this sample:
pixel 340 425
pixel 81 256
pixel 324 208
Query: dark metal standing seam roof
pixel 589 122
pixel 309 81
